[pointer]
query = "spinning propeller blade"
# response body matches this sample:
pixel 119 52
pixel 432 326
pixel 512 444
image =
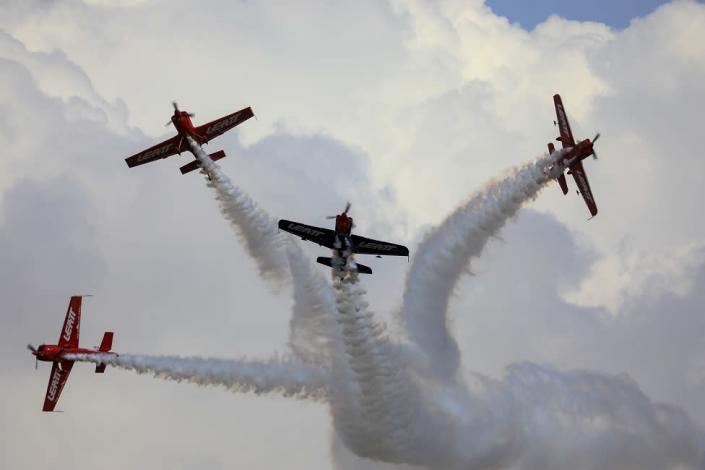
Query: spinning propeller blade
pixel 594 154
pixel 36 359
pixel 347 208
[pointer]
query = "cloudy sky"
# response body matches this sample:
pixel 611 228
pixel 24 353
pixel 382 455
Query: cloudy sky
pixel 404 107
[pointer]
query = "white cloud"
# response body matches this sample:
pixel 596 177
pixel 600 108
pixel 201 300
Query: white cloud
pixel 404 108
pixel 635 276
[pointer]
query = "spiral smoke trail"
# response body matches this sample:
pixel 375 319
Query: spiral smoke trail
pixel 445 253
pixel 372 418
pixel 385 410
pixel 282 376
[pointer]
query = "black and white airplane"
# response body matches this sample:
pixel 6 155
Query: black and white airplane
pixel 343 242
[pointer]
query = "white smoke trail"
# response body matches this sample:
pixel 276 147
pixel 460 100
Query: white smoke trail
pixel 535 418
pixel 277 257
pixel 368 395
pixel 291 379
pixel 312 328
pixel 444 255
pixel 385 410
pixel 257 229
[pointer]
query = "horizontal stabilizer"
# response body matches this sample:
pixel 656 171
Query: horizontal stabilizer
pixel 562 182
pixel 361 268
pixel 195 165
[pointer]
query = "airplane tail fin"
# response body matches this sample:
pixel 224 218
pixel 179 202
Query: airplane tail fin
pixel 195 165
pixel 105 346
pixel 361 268
pixel 561 179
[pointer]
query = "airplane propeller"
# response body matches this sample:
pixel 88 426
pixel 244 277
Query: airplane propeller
pixel 176 108
pixel 594 154
pixel 36 359
pixel 347 208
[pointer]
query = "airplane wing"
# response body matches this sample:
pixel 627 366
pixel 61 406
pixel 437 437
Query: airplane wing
pixel 70 332
pixel 322 236
pixel 563 125
pixel 367 246
pixel 219 126
pixel 162 150
pixel 581 180
pixel 57 379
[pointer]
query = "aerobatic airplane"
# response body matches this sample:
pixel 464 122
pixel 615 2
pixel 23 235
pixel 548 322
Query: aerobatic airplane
pixel 68 344
pixel 201 134
pixel 343 242
pixel 574 156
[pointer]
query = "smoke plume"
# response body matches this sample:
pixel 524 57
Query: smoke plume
pixel 445 253
pixel 276 375
pixel 278 258
pixel 390 407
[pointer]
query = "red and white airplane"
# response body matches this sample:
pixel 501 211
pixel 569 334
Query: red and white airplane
pixel 68 345
pixel 201 134
pixel 574 156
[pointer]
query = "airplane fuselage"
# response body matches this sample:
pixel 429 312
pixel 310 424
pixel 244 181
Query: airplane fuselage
pixel 184 126
pixel 54 353
pixel 581 151
pixel 343 229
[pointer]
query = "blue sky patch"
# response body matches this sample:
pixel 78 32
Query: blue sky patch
pixel 615 13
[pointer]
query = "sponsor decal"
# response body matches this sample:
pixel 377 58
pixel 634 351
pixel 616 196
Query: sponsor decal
pixel 562 120
pixel 377 246
pixel 306 230
pixel 54 385
pixel 584 188
pixel 156 152
pixel 221 124
pixel 70 320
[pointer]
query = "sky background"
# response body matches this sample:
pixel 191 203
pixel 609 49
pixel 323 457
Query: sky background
pixel 405 108
pixel 616 14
